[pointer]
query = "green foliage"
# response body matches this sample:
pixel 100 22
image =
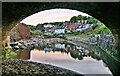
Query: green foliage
pixel 79 17
pixel 85 18
pixel 39 27
pixel 94 56
pixel 57 23
pixel 7 54
pixel 32 33
pixel 102 29
pixel 45 34
pixel 91 20
pixel 73 19
pixel 32 28
pixel 80 57
pixel 90 32
pixel 94 27
pixel 73 55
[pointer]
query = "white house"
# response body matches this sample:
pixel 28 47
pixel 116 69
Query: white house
pixel 58 30
pixel 47 25
pixel 85 21
pixel 79 29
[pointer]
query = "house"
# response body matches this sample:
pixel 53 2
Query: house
pixel 48 49
pixel 82 21
pixel 50 29
pixel 37 31
pixel 82 27
pixel 58 30
pixel 60 46
pixel 63 27
pixel 47 25
pixel 76 26
pixel 99 23
pixel 70 27
pixel 65 23
pixel 78 21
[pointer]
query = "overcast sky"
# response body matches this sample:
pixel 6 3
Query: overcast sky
pixel 52 15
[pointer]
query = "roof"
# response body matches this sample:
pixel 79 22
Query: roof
pixel 76 26
pixel 48 28
pixel 58 27
pixel 36 30
pixel 63 26
pixel 70 26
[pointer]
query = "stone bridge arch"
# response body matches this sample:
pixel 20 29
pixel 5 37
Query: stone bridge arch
pixel 107 13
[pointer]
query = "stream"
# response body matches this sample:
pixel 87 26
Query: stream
pixel 66 55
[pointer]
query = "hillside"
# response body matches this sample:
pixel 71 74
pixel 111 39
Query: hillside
pixel 96 28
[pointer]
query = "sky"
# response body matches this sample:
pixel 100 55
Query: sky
pixel 51 15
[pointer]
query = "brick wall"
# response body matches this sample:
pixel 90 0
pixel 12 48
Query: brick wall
pixel 24 31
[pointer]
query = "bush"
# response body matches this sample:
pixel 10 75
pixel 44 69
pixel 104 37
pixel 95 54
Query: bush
pixel 7 54
pixel 94 27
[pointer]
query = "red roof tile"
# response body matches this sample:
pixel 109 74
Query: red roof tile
pixel 70 26
pixel 63 26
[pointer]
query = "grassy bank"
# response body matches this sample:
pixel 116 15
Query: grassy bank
pixel 91 32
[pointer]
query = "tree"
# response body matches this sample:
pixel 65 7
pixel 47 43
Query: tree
pixel 92 20
pixel 80 17
pixel 56 23
pixel 73 19
pixel 88 17
pixel 85 18
pixel 39 27
pixel 32 28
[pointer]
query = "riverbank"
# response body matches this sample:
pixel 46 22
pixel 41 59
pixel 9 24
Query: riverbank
pixel 35 42
pixel 22 67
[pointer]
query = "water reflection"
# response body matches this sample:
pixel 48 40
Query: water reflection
pixel 66 55
pixel 76 52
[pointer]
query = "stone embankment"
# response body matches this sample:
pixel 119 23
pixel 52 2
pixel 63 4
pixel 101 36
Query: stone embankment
pixel 36 42
pixel 17 67
pixel 105 42
pixel 87 40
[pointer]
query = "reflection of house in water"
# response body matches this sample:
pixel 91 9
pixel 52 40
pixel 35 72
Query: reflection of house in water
pixel 60 46
pixel 67 48
pixel 48 49
pixel 78 51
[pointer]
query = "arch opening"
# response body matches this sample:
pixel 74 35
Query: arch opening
pixel 96 17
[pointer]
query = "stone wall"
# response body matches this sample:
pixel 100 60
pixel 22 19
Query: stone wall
pixel 14 34
pixel 107 42
pixel 89 40
pixel 19 32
